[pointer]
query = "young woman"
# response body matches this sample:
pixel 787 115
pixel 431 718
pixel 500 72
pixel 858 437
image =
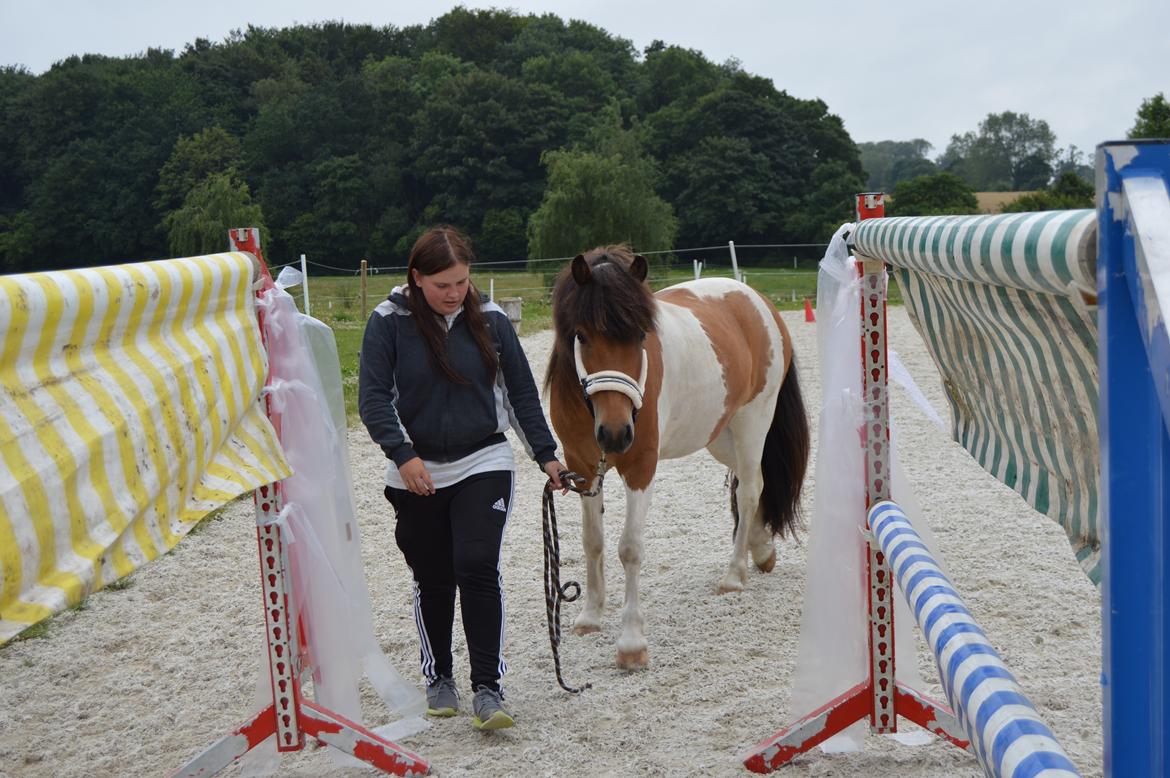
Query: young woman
pixel 442 377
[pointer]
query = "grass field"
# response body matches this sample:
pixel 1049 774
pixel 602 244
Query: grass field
pixel 337 301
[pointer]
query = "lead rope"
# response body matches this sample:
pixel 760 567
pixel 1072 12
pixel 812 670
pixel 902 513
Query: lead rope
pixel 554 592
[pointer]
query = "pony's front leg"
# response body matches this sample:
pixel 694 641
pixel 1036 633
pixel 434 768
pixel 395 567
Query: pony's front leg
pixel 593 542
pixel 632 651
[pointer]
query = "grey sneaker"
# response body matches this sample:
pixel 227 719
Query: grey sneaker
pixel 442 698
pixel 490 712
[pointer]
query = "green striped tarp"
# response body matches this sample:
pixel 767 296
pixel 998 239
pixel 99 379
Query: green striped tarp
pixel 1007 307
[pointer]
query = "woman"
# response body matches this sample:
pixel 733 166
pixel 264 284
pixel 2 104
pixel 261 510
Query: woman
pixel 442 376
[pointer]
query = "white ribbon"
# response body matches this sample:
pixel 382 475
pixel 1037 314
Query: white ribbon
pixel 280 521
pixel 280 392
pixel 276 315
pixel 289 277
pixel 902 377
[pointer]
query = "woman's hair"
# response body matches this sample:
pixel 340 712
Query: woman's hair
pixel 436 250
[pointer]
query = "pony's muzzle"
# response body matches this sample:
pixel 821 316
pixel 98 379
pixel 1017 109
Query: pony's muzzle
pixel 614 438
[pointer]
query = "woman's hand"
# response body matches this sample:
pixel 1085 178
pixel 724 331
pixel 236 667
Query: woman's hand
pixel 554 468
pixel 415 476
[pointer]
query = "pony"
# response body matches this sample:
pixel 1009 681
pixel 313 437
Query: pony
pixel 635 377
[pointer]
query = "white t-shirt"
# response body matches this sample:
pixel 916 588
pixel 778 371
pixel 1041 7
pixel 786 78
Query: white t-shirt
pixel 495 457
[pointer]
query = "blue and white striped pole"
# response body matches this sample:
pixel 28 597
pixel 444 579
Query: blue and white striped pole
pixel 1007 734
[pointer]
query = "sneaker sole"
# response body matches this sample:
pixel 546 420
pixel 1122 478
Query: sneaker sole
pixel 442 713
pixel 498 720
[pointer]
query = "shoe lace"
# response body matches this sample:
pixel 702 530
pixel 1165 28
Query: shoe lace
pixel 485 695
pixel 444 684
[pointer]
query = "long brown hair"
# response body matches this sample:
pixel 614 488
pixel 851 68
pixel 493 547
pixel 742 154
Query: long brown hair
pixel 436 250
pixel 613 302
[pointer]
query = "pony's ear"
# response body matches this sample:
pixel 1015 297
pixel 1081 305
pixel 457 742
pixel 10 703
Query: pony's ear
pixel 639 269
pixel 581 272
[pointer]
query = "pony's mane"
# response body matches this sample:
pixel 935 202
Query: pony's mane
pixel 613 304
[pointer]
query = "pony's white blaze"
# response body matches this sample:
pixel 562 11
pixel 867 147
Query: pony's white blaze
pixel 693 394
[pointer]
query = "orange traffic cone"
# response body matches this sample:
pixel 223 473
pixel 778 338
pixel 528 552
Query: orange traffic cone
pixel 808 311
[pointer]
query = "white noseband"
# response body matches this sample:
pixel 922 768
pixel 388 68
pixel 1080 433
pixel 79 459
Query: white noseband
pixel 610 380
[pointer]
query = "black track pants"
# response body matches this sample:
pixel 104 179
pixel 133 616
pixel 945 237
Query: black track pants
pixel 452 539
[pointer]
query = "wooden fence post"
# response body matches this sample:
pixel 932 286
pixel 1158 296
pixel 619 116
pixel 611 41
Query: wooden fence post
pixel 364 309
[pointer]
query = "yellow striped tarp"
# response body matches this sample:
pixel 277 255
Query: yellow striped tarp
pixel 1007 307
pixel 128 410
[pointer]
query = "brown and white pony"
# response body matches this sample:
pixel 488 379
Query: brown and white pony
pixel 636 377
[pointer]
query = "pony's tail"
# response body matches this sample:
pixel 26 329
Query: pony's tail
pixel 785 459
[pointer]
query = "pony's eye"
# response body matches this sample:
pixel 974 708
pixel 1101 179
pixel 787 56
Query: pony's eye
pixel 581 337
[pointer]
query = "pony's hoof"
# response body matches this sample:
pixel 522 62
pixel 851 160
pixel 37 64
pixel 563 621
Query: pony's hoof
pixel 585 629
pixel 729 585
pixel 768 564
pixel 633 660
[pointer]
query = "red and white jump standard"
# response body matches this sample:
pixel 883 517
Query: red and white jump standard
pixel 880 698
pixel 290 717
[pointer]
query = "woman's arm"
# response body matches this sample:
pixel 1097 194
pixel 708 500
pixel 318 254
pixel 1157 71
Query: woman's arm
pixel 377 392
pixel 523 395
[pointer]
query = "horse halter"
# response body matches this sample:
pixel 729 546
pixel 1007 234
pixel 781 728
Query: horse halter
pixel 610 380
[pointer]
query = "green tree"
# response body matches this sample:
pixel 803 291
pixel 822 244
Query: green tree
pixel 671 74
pixel 1010 152
pixel 211 150
pixel 502 236
pixel 335 227
pixel 434 69
pixel 596 198
pixel 352 138
pixel 550 37
pixel 329 159
pixel 94 132
pixel 1153 119
pixel 1072 160
pixel 476 36
pixel 779 142
pixel 889 161
pixel 938 194
pixel 477 146
pixel 393 235
pixel 1069 191
pixel 904 169
pixel 586 85
pixel 17 236
pixel 725 190
pixel 17 241
pixel 829 203
pixel 14 83
pixel 214 206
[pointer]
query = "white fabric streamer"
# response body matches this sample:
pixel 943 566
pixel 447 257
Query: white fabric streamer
pixel 289 277
pixel 329 588
pixel 833 653
pixel 901 376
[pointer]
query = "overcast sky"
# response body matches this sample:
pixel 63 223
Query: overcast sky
pixel 896 70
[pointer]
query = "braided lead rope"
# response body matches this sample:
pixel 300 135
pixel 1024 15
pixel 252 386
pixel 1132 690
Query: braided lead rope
pixel 554 592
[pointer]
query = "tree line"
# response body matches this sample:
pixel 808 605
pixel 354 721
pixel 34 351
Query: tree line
pixel 537 136
pixel 345 141
pixel 1009 152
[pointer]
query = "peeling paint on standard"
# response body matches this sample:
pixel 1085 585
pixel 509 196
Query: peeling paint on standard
pixel 1122 156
